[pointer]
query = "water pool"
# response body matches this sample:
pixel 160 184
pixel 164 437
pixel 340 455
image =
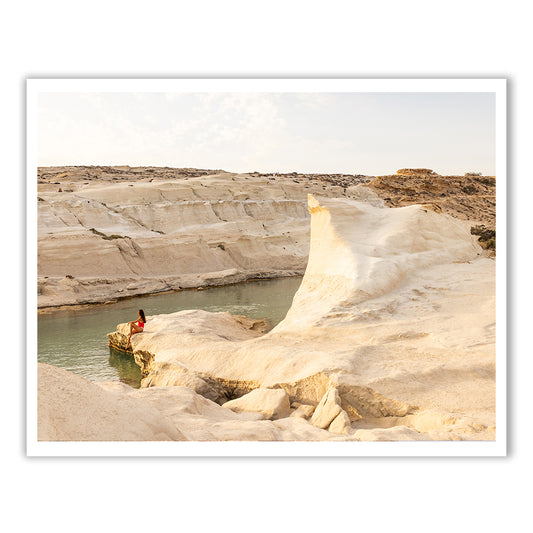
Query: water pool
pixel 75 339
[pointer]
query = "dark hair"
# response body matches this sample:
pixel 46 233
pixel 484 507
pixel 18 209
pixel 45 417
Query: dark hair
pixel 141 312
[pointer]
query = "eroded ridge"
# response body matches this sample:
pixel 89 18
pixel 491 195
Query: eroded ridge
pixel 360 252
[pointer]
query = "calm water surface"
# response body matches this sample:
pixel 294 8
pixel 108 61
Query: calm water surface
pixel 76 339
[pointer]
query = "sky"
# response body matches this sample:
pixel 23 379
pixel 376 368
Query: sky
pixel 321 132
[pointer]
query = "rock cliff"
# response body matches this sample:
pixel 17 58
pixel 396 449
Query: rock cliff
pixel 113 232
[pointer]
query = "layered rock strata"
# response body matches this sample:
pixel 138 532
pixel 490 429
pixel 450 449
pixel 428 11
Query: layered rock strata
pixel 106 233
pixel 114 232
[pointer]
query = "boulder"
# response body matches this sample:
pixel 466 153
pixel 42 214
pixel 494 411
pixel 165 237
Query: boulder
pixel 271 403
pixel 341 423
pixel 327 410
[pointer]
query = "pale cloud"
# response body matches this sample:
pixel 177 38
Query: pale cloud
pixel 236 128
pixel 313 100
pixel 173 97
pixel 308 132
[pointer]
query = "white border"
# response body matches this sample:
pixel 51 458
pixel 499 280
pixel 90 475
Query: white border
pixel 36 85
pixel 31 268
pixel 265 449
pixel 501 265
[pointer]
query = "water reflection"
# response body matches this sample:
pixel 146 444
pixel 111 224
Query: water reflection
pixel 128 371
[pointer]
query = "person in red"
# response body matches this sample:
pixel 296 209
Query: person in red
pixel 136 326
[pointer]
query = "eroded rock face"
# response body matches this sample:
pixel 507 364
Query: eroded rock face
pixel 71 408
pixel 119 232
pixel 115 232
pixel 172 375
pixel 212 384
pixel 360 252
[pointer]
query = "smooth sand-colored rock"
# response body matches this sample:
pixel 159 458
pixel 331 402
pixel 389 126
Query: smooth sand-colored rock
pixel 73 409
pixel 271 403
pixel 70 408
pixel 327 410
pixel 360 252
pixel 396 311
pixel 340 424
pixel 115 232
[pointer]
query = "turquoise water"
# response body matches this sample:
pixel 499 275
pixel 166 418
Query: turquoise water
pixel 76 339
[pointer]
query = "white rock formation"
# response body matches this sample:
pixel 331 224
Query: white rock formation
pixel 395 318
pixel 70 408
pixel 360 252
pixel 271 403
pixel 396 311
pixel 100 240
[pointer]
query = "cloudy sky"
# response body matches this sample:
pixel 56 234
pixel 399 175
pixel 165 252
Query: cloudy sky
pixel 361 133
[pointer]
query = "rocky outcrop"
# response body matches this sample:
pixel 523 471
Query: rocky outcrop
pixel 470 197
pixel 72 409
pixel 419 172
pixel 210 381
pixel 115 232
pixel 394 317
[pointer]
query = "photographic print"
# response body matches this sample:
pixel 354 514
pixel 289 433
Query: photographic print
pixel 266 267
